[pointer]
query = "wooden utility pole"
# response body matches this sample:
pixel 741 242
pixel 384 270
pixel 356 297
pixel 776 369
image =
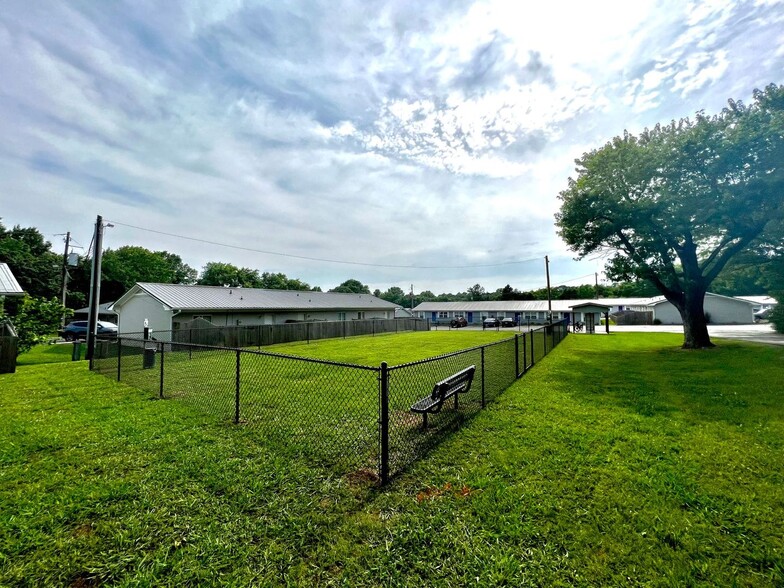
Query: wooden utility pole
pixel 95 289
pixel 549 300
pixel 65 270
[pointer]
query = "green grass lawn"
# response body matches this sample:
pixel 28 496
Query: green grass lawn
pixel 56 353
pixel 617 460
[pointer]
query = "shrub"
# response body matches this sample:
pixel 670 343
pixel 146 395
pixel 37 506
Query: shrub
pixel 777 317
pixel 657 321
pixel 37 319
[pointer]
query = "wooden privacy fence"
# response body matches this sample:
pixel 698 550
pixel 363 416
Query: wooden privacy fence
pixel 8 348
pixel 201 332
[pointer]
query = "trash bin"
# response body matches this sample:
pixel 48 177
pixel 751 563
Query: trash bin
pixel 149 358
pixel 76 353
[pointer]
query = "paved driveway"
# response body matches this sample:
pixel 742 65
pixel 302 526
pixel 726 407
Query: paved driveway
pixel 760 333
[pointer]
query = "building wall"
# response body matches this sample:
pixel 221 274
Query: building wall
pixel 131 315
pixel 722 311
pixel 222 319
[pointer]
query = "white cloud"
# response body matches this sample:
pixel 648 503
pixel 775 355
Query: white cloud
pixel 347 131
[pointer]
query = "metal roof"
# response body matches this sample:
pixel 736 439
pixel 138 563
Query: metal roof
pixel 8 284
pixel 190 297
pixel 524 305
pixel 758 299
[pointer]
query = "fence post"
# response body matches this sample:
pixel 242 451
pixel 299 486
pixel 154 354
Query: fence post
pixel 190 343
pixel 533 347
pixel 384 422
pixel 119 357
pixel 525 355
pixel 237 391
pixel 160 347
pixel 517 357
pixel 483 377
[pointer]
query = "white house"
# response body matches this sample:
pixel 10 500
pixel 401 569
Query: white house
pixel 167 306
pixel 721 310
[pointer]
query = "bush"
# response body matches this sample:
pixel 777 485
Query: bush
pixel 777 317
pixel 37 319
pixel 657 321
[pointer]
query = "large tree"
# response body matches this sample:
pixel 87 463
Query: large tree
pixel 217 273
pixel 30 257
pixel 676 203
pixel 126 265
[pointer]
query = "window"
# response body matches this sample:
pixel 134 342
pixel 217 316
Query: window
pixel 360 315
pixel 341 316
pixel 443 314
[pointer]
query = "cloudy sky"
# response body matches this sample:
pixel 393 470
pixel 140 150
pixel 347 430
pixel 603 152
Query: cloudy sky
pixel 419 143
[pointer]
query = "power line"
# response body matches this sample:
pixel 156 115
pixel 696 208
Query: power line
pixel 574 280
pixel 321 259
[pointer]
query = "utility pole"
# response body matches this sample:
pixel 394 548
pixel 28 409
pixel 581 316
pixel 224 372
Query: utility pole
pixel 596 282
pixel 549 300
pixel 65 270
pixel 412 298
pixel 95 289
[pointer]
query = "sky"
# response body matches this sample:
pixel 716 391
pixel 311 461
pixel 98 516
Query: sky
pixel 398 143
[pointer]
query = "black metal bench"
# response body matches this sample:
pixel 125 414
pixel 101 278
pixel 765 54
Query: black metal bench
pixel 443 390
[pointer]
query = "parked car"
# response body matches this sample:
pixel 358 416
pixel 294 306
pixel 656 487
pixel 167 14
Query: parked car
pixel 762 315
pixel 508 322
pixel 78 330
pixel 490 323
pixel 458 322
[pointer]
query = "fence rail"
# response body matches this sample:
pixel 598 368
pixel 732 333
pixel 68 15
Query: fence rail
pixel 351 417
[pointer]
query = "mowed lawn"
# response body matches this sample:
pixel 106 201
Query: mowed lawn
pixel 616 460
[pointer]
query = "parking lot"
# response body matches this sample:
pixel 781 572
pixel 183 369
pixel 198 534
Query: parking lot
pixel 759 333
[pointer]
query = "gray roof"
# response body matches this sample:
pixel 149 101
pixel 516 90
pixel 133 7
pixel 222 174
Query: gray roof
pixel 524 305
pixel 102 309
pixel 189 297
pixel 8 284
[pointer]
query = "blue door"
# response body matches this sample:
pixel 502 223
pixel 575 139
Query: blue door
pixel 470 317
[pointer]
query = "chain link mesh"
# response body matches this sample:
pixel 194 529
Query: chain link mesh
pixel 327 411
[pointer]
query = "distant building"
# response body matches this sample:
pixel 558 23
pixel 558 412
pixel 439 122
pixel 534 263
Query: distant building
pixel 167 307
pixel 721 309
pixel 8 284
pixel 760 302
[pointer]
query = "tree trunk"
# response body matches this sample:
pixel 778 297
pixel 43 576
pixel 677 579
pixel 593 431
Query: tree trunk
pixel 695 324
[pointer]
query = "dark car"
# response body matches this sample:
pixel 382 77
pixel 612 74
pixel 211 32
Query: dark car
pixel 508 322
pixel 458 322
pixel 78 330
pixel 490 322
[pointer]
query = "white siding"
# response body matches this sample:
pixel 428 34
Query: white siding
pixel 132 314
pixel 722 311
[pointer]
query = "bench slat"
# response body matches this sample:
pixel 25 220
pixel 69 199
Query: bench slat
pixel 459 382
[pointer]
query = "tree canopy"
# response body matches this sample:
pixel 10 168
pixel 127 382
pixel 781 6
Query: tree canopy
pixel 352 286
pixel 676 203
pixel 31 259
pixel 124 266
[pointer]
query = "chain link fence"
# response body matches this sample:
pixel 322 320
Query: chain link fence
pixel 348 417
